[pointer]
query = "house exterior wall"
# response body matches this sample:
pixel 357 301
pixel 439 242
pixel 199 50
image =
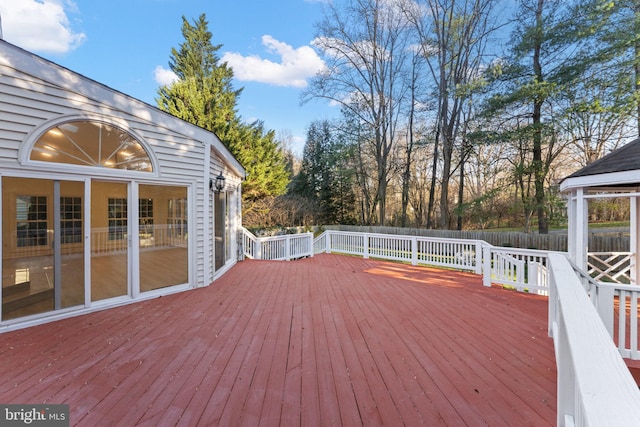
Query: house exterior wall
pixel 36 95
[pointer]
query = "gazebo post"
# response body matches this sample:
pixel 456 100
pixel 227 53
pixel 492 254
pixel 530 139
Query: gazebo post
pixel 578 234
pixel 571 231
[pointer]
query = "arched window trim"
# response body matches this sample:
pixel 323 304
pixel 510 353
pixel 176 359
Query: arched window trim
pixel 34 136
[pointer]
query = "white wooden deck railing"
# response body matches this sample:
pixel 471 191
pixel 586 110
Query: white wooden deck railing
pixel 521 269
pixel 449 253
pixel 279 248
pixel 623 327
pixel 595 387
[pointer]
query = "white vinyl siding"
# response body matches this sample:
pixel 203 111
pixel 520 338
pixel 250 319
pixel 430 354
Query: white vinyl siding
pixel 28 103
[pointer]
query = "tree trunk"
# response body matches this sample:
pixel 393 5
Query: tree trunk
pixel 406 177
pixel 444 186
pixel 432 190
pixel 461 187
pixel 538 168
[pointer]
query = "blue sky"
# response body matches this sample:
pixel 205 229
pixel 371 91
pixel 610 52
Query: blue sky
pixel 126 44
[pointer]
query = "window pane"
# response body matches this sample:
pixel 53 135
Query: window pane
pixel 117 221
pixel 70 213
pixel 87 143
pixel 31 224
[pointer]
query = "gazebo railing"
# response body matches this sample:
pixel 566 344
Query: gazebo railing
pixel 613 267
pixel 623 326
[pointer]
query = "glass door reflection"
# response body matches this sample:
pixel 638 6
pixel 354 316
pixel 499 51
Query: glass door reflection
pixel 110 240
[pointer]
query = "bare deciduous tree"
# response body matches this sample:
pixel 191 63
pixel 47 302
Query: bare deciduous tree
pixel 365 46
pixel 453 35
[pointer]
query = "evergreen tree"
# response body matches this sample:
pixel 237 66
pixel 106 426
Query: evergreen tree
pixel 264 161
pixel 548 53
pixel 616 30
pixel 204 95
pixel 325 178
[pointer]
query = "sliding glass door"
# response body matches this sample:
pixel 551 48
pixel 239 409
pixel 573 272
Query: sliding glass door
pixel 139 242
pixel 110 240
pixel 42 246
pixel 162 236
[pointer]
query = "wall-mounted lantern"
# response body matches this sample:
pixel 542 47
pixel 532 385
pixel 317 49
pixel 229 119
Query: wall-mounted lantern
pixel 217 184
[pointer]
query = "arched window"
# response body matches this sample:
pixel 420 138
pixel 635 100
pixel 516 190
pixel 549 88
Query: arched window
pixel 91 143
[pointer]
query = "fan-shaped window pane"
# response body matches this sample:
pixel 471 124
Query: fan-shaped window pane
pixel 91 144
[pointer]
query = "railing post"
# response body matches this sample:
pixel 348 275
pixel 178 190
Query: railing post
pixel 414 250
pixel 604 305
pixel 258 248
pixel 478 252
pixel 311 247
pixel 566 399
pixel 365 238
pixel 287 248
pixel 486 265
pixel 327 241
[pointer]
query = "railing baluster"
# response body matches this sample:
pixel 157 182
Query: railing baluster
pixel 633 325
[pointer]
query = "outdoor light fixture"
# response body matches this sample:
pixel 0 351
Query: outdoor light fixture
pixel 218 184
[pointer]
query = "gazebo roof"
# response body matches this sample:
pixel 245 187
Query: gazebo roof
pixel 621 167
pixel 625 158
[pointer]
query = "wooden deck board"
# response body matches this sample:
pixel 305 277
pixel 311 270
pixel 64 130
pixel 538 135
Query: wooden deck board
pixel 330 340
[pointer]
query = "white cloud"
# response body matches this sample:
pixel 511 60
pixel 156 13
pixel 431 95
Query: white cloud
pixel 294 68
pixel 164 76
pixel 40 26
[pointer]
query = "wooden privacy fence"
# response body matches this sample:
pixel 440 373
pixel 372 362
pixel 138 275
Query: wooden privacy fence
pixel 599 240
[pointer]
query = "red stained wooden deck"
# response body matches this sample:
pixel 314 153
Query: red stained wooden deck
pixel 329 340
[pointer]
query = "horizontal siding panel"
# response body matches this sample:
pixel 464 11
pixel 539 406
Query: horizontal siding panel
pixel 185 157
pixel 152 132
pixel 8 154
pixel 32 114
pixel 15 137
pixel 51 99
pixel 13 127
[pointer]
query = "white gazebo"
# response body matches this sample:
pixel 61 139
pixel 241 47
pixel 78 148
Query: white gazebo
pixel 613 176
